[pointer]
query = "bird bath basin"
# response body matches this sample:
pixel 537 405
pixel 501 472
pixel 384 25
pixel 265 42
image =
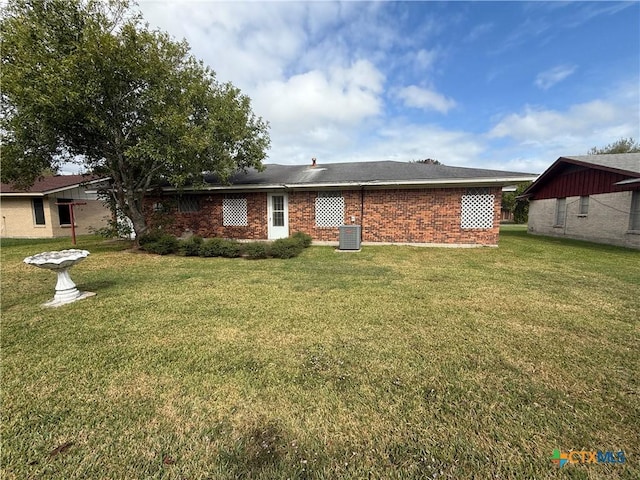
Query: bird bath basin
pixel 60 262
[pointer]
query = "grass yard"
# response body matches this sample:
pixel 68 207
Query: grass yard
pixel 396 362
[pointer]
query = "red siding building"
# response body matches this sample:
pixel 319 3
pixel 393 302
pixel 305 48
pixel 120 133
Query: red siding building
pixel 591 197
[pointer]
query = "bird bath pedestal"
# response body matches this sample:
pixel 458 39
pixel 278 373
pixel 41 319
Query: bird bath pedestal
pixel 60 262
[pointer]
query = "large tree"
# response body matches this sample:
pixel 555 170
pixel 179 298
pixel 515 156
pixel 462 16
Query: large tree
pixel 87 81
pixel 624 145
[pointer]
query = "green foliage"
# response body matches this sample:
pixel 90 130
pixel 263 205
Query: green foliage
pixel 304 239
pixel 114 229
pixel 285 248
pixel 255 250
pixel 150 237
pixel 429 161
pixel 88 81
pixel 220 247
pixel 191 246
pixel 624 145
pixel 519 206
pixel 164 244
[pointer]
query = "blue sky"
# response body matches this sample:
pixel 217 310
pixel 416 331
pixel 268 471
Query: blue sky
pixel 504 85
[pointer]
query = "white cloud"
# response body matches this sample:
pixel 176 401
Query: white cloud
pixel 320 72
pixel 339 96
pixel 478 31
pixel 538 125
pixel 532 139
pixel 547 79
pixel 425 99
pixel 424 59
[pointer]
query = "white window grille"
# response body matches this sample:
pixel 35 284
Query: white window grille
pixel 477 208
pixel 329 209
pixel 234 211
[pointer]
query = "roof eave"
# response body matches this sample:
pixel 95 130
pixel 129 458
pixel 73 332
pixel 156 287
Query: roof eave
pixel 448 182
pixel 54 190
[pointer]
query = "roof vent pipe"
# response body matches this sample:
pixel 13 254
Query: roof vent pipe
pixel 313 162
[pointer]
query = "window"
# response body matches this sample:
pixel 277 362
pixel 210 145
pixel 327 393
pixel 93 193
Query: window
pixel 329 209
pixel 277 210
pixel 38 211
pixel 584 205
pixel 188 204
pixel 64 211
pixel 477 208
pixel 234 211
pixel 634 215
pixel 561 204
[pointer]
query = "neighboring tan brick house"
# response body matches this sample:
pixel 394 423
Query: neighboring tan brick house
pixel 394 202
pixel 590 197
pixel 35 213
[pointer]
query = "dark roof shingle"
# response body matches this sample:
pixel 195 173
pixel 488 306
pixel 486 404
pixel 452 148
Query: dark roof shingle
pixel 383 172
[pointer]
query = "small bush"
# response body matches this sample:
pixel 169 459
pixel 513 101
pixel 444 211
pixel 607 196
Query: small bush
pixel 285 248
pixel 165 245
pixel 220 247
pixel 302 238
pixel 151 236
pixel 231 249
pixel 256 250
pixel 191 246
pixel 211 248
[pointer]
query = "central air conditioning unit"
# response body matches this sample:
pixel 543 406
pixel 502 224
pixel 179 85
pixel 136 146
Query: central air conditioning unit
pixel 349 237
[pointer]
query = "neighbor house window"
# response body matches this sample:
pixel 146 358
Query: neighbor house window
pixel 561 204
pixel 188 203
pixel 38 211
pixel 234 211
pixel 64 211
pixel 477 208
pixel 634 215
pixel 329 209
pixel 584 205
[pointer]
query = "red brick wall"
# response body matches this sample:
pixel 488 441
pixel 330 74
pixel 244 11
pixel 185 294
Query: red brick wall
pixel 423 216
pixel 401 215
pixel 207 222
pixel 302 214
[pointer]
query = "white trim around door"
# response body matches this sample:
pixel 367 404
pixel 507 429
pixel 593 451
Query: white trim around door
pixel 277 216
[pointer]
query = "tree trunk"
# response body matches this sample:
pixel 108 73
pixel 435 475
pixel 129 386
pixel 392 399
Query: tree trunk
pixel 131 204
pixel 139 223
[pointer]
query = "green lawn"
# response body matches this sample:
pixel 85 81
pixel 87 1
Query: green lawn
pixel 395 362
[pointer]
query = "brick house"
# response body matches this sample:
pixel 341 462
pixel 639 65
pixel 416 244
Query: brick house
pixel 394 202
pixel 589 197
pixel 41 211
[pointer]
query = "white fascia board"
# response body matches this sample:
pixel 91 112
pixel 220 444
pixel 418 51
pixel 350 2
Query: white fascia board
pixel 23 194
pixel 449 182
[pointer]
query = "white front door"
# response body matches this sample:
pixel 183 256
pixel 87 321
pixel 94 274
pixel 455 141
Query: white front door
pixel 278 213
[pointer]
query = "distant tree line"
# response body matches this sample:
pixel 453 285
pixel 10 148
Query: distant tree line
pixel 624 145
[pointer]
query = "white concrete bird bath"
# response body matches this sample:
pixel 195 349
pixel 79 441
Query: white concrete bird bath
pixel 60 262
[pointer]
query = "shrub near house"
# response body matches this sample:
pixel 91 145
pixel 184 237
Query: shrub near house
pixel 164 244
